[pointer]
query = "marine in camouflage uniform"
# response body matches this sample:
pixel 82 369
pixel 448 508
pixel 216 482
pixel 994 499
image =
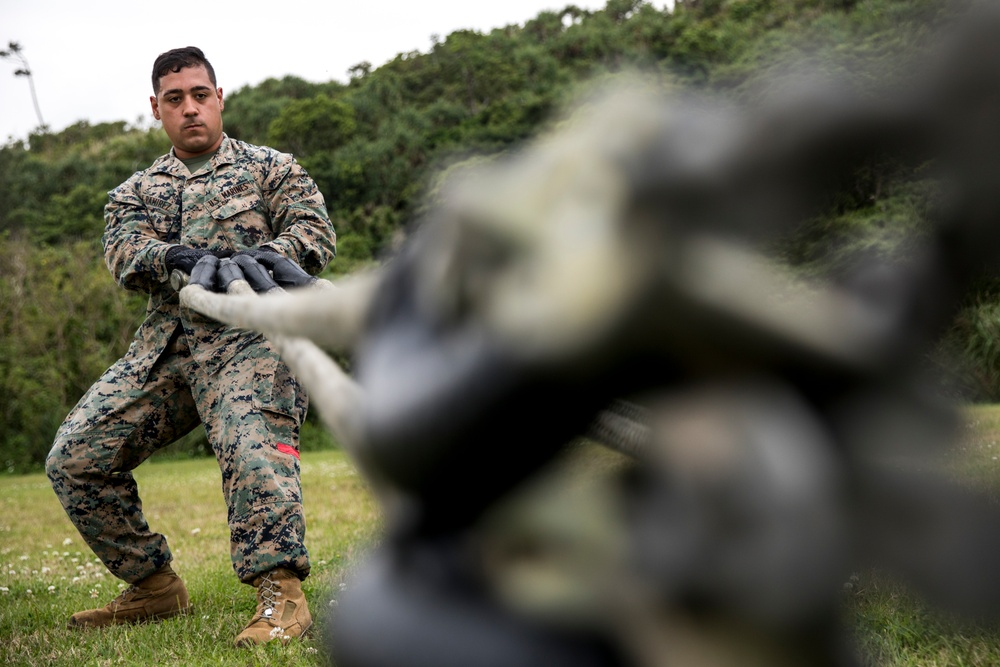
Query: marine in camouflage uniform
pixel 183 369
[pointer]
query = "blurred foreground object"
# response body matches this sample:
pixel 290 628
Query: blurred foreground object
pixel 606 282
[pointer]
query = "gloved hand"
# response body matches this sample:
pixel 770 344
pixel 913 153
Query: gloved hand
pixel 204 272
pixel 256 252
pixel 184 258
pixel 229 272
pixel 255 273
pixel 286 272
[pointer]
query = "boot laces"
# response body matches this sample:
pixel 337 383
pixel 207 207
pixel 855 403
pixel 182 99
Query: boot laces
pixel 125 596
pixel 269 592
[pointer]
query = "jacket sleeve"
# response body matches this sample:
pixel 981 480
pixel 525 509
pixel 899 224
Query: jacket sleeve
pixel 134 249
pixel 302 227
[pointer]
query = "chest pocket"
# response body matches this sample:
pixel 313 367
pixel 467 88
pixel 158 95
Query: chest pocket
pixel 163 208
pixel 165 221
pixel 242 217
pixel 224 209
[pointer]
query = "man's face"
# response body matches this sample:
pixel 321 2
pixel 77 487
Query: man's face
pixel 191 111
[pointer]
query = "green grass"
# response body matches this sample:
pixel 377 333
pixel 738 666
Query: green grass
pixel 897 630
pixel 49 573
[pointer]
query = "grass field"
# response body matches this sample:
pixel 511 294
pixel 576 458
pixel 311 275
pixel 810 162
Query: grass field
pixel 47 573
pixel 897 630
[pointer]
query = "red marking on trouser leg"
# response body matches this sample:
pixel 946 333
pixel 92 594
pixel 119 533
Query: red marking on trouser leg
pixel 287 449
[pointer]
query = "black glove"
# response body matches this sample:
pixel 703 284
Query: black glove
pixel 204 272
pixel 229 272
pixel 256 252
pixel 184 258
pixel 254 273
pixel 286 272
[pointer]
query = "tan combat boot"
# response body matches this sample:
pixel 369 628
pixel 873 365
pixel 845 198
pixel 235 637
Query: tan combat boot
pixel 160 595
pixel 282 612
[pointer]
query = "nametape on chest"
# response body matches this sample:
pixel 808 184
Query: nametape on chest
pixel 233 199
pixel 158 202
pixel 234 190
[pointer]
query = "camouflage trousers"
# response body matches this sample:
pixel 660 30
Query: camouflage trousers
pixel 252 410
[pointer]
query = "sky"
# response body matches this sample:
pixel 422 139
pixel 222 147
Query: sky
pixel 92 59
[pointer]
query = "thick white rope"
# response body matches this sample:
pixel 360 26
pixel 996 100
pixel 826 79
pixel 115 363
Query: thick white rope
pixel 335 394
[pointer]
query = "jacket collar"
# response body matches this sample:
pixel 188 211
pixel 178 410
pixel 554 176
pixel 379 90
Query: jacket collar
pixel 171 164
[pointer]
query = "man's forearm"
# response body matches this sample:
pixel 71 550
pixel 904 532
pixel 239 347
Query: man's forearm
pixel 137 262
pixel 303 229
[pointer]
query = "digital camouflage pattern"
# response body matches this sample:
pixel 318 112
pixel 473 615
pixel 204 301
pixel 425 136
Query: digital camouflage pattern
pixel 244 197
pixel 183 369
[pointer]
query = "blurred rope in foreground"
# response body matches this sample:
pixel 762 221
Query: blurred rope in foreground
pixel 605 282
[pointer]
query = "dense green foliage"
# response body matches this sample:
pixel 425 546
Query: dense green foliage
pixel 375 143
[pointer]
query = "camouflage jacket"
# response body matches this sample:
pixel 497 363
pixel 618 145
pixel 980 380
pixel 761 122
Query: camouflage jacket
pixel 243 197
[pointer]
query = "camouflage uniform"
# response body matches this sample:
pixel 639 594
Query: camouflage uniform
pixel 183 369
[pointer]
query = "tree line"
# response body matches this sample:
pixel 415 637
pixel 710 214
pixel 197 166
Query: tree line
pixel 376 143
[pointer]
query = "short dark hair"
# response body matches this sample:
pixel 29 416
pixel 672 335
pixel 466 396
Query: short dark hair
pixel 177 59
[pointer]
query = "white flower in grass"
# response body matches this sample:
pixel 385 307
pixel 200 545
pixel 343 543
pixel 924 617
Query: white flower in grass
pixel 277 631
pixel 4 590
pixel 51 589
pixel 68 541
pixel 24 557
pixel 28 592
pixel 46 570
pixel 94 593
pixel 195 531
pixel 312 650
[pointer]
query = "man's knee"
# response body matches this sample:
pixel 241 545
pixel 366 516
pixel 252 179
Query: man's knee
pixel 68 462
pixel 55 462
pixel 59 467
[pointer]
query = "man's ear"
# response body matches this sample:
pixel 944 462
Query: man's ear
pixel 222 102
pixel 154 106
